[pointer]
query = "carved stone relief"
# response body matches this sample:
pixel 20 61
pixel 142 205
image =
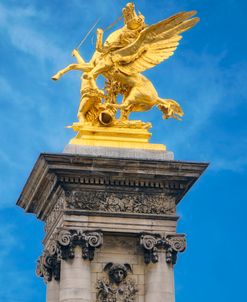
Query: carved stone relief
pixel 117 287
pixel 54 213
pixel 172 244
pixel 111 202
pixel 62 248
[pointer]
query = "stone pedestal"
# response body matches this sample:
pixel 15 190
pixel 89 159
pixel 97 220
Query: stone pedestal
pixel 110 225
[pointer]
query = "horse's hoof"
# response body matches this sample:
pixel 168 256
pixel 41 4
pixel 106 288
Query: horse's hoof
pixel 55 77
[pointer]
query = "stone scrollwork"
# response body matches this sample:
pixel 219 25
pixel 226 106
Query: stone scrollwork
pixel 172 244
pixel 65 245
pixel 88 241
pixel 48 267
pixel 62 248
pixel 149 244
pixel 92 240
pixel 117 287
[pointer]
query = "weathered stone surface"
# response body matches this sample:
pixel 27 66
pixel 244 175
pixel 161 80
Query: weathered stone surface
pixel 130 202
pixel 119 250
pixel 128 186
pixel 62 246
pixel 75 282
pixel 122 202
pixel 117 287
pixel 159 281
pixel 118 152
pixel 171 243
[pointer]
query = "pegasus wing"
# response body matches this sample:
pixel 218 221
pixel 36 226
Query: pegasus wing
pixel 155 44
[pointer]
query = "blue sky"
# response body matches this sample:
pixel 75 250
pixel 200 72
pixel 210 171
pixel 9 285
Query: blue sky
pixel 207 76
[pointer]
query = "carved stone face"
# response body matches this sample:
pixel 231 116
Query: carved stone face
pixel 118 275
pixel 117 272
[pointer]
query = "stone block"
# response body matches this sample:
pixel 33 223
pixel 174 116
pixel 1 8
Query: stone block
pixel 141 279
pixel 138 269
pixel 118 152
pixel 96 267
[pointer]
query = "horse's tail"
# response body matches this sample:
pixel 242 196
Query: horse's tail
pixel 170 108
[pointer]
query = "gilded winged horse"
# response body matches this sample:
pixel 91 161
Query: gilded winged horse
pixel 126 53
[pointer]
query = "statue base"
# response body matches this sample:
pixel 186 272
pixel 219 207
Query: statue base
pixel 114 152
pixel 116 137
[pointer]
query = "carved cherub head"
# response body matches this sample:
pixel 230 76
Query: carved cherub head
pixel 117 272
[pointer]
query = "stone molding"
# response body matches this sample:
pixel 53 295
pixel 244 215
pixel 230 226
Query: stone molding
pixel 54 173
pixel 126 182
pixel 121 202
pixel 62 248
pixel 171 243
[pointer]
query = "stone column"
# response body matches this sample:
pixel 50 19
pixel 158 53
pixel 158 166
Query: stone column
pixel 75 282
pixel 48 267
pixel 159 281
pixel 67 259
pixel 160 254
pixel 52 291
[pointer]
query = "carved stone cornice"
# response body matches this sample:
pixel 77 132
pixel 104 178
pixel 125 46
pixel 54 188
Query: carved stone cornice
pixel 126 182
pixel 171 243
pixel 62 246
pixel 54 173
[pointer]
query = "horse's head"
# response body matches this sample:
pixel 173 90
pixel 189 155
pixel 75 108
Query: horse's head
pixel 171 109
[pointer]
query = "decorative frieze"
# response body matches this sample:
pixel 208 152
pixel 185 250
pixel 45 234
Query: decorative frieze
pixel 116 287
pixel 62 248
pixel 120 202
pixel 172 244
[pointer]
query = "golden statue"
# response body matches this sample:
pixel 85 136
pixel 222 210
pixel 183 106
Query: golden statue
pixel 126 53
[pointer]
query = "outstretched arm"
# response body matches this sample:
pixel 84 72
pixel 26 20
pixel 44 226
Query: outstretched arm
pixel 99 41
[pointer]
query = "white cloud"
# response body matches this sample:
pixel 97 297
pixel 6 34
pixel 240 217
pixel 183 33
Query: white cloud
pixel 17 23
